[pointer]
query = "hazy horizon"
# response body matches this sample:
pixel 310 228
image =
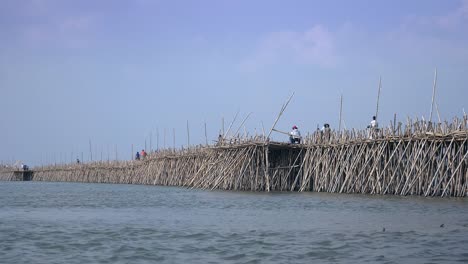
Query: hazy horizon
pixel 116 72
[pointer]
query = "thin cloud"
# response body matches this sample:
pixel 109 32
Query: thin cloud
pixel 69 32
pixel 438 38
pixel 455 18
pixel 49 24
pixel 314 46
pixel 416 39
pixel 452 20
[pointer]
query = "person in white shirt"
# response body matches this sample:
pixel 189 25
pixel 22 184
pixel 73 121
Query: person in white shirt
pixel 295 135
pixel 325 132
pixel 373 128
pixel 24 167
pixel 373 123
pixel 326 128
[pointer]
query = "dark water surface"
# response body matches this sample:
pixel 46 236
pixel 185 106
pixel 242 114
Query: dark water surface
pixel 106 223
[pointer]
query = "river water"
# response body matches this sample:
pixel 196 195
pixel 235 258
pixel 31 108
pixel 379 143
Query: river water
pixel 107 223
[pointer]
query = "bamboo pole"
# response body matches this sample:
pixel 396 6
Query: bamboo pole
pixel 230 126
pixel 341 112
pixel 263 130
pixel 222 125
pixel 279 115
pixel 90 151
pixel 188 135
pixel 206 136
pixel 243 121
pixel 433 94
pixel 418 162
pixel 164 138
pixel 378 99
pixel 438 113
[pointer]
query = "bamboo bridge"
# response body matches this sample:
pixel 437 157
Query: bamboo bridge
pixel 420 159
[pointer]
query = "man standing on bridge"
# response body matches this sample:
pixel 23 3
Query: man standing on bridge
pixel 373 128
pixel 295 135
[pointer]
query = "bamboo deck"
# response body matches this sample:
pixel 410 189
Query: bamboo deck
pixel 420 159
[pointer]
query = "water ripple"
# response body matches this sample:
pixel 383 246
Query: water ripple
pixel 105 223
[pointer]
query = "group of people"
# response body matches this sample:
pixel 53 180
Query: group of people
pixel 295 134
pixel 141 155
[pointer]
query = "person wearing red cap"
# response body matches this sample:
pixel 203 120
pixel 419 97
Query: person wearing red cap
pixel 295 135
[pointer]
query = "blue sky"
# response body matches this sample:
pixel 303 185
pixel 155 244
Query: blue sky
pixel 116 72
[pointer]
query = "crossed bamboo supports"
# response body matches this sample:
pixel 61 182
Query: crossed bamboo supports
pixel 421 159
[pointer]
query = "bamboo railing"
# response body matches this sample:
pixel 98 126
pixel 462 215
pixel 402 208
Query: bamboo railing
pixel 420 158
